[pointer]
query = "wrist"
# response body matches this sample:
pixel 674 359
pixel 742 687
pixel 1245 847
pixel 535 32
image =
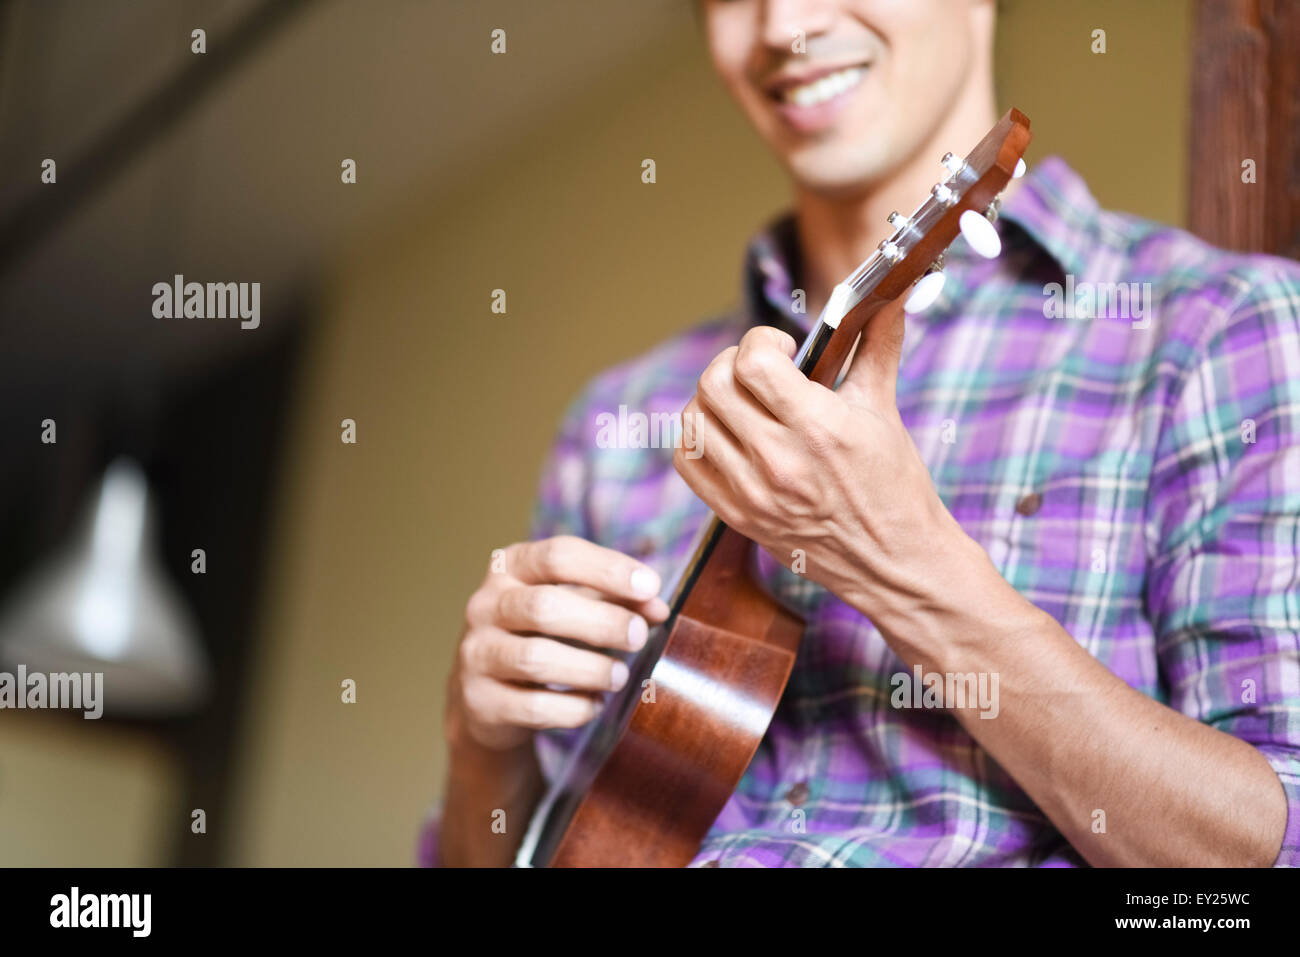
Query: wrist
pixel 943 604
pixel 475 768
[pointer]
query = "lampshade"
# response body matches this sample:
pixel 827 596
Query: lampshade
pixel 103 603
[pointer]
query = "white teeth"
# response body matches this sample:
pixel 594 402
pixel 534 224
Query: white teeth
pixel 823 89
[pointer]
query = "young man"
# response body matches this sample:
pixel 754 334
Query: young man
pixel 1096 514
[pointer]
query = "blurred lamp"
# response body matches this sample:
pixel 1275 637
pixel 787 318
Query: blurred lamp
pixel 104 604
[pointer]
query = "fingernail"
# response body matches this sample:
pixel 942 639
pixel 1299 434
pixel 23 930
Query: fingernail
pixel 617 676
pixel 645 583
pixel 637 632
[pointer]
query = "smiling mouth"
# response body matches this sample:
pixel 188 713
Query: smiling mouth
pixel 821 89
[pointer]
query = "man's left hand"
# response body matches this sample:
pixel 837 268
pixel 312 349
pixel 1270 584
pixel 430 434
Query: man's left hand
pixel 799 468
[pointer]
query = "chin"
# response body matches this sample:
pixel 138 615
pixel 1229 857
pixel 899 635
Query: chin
pixel 834 173
pixel 847 159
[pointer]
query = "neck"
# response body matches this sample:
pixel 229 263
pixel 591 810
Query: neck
pixel 836 233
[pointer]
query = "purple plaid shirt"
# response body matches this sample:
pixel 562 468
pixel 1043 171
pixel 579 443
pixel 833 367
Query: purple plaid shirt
pixel 1129 456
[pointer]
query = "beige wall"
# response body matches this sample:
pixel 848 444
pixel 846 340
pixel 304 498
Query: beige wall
pixel 377 545
pixel 78 793
pixel 1120 117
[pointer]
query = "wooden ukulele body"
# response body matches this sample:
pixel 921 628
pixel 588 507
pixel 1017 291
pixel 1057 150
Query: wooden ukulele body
pixel 694 728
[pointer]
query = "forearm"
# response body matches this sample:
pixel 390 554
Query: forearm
pixel 1171 790
pixel 490 797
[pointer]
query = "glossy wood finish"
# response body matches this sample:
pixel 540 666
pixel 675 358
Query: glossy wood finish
pixel 647 786
pixel 716 687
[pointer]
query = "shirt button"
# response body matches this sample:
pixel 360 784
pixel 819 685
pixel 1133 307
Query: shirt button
pixel 1030 504
pixel 797 794
pixel 643 546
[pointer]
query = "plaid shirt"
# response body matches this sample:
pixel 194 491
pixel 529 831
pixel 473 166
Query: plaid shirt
pixel 1133 472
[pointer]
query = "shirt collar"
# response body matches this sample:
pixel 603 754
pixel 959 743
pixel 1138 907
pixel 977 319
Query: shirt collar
pixel 772 263
pixel 1052 206
pixel 1055 209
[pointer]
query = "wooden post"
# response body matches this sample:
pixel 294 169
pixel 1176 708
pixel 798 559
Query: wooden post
pixel 1246 106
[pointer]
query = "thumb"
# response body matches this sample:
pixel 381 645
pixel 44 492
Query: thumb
pixel 874 367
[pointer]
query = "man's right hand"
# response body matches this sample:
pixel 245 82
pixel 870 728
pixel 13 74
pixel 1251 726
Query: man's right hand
pixel 529 657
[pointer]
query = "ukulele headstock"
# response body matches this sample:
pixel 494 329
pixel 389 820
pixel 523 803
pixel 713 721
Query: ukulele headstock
pixel 965 203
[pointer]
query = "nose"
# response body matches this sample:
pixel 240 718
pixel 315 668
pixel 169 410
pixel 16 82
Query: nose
pixel 786 21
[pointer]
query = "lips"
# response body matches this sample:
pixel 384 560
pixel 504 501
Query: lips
pixel 813 87
pixel 811 101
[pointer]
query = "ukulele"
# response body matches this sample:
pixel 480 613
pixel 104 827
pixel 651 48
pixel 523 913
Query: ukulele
pixel 652 772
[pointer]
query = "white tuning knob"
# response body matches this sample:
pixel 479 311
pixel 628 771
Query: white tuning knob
pixel 980 233
pixel 1020 169
pixel 924 293
pixel 943 194
pixel 953 163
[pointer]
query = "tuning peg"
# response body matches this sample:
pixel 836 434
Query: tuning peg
pixel 953 163
pixel 1020 169
pixel 980 233
pixel 924 293
pixel 891 251
pixel 898 220
pixel 991 214
pixel 943 194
